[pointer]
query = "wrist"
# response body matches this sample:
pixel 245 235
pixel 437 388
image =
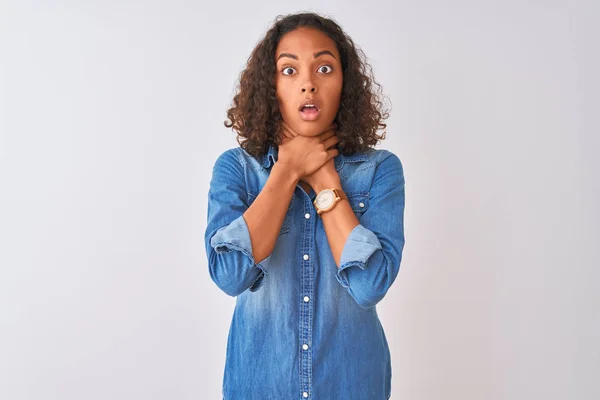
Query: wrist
pixel 286 172
pixel 327 184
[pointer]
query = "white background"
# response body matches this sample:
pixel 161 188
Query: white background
pixel 112 117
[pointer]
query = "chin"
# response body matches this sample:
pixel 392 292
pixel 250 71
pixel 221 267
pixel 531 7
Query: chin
pixel 311 128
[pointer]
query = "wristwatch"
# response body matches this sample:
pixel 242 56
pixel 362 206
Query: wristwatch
pixel 328 198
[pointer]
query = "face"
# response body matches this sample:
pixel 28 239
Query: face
pixel 309 70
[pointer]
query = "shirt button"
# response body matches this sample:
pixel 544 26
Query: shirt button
pixel 306 299
pixel 305 346
pixel 305 394
pixel 306 257
pixel 361 205
pixel 307 215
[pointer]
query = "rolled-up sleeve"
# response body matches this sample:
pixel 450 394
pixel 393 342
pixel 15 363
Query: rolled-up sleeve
pixel 371 256
pixel 227 238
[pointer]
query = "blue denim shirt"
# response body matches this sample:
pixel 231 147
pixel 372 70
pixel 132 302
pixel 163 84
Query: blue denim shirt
pixel 302 328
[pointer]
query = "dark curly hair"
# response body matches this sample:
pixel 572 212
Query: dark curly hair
pixel 255 115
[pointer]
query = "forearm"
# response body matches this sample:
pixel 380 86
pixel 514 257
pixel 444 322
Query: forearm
pixel 338 222
pixel 266 214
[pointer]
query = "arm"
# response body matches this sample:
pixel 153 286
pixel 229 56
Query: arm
pixel 338 222
pixel 266 214
pixel 233 227
pixel 368 254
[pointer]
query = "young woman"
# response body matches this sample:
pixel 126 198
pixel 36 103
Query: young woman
pixel 305 220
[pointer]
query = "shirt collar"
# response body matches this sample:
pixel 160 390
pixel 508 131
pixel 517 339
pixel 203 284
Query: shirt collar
pixel 270 157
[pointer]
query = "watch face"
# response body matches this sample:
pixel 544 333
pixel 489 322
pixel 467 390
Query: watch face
pixel 325 198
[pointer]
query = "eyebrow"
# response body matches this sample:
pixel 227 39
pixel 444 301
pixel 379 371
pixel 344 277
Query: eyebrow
pixel 295 57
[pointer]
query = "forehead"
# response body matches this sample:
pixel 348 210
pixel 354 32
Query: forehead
pixel 305 40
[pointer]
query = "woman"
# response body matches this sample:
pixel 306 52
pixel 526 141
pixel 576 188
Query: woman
pixel 305 220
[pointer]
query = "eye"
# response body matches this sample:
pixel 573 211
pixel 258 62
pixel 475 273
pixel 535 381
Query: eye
pixel 286 69
pixel 325 71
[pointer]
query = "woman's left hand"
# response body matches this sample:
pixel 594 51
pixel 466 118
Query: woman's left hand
pixel 324 177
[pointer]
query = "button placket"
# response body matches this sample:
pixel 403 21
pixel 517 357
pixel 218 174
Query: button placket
pixel 306 307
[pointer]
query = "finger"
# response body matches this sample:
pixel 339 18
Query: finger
pixel 326 135
pixel 332 153
pixel 327 143
pixel 331 127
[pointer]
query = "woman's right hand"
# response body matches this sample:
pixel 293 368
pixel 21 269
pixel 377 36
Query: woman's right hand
pixel 302 155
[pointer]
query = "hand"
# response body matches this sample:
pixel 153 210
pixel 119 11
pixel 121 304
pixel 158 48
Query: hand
pixel 324 177
pixel 303 155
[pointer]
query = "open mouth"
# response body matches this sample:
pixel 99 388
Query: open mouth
pixel 309 112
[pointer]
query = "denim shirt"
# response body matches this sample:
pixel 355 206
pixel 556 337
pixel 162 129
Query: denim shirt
pixel 302 328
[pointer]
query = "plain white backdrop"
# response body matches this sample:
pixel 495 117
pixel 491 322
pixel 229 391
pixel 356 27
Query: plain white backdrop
pixel 112 117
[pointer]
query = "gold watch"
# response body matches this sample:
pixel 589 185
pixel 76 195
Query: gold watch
pixel 327 199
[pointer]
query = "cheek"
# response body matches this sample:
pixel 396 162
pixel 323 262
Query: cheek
pixel 338 88
pixel 283 96
pixel 334 95
pixel 333 90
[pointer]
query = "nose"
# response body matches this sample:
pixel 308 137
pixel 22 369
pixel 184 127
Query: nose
pixel 309 87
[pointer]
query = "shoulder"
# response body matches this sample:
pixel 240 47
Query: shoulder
pixel 231 154
pixel 370 169
pixel 377 158
pixel 242 158
pixel 379 155
pixel 235 155
pixel 229 160
pixel 238 160
pixel 389 170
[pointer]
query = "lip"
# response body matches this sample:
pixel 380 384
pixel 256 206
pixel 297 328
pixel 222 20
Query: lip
pixel 310 101
pixel 310 115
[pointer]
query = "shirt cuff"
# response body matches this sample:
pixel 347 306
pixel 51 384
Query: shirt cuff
pixel 359 247
pixel 236 236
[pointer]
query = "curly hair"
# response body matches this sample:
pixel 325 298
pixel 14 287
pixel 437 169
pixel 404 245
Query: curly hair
pixel 254 113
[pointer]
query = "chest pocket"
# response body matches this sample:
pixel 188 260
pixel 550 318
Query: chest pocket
pixel 285 226
pixel 359 203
